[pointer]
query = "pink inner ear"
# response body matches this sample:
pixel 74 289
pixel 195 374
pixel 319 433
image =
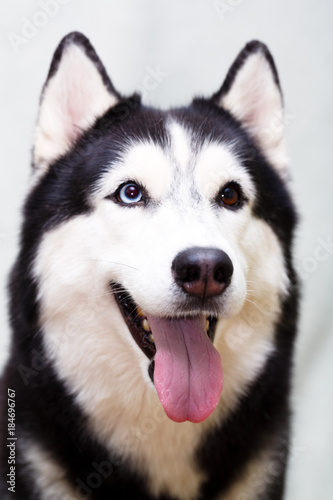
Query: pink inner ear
pixel 78 98
pixel 76 110
pixel 255 99
pixel 73 98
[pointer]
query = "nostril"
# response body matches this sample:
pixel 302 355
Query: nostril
pixel 192 273
pixel 219 275
pixel 223 270
pixel 185 267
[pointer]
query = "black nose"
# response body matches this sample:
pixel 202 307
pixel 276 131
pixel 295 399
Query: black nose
pixel 202 272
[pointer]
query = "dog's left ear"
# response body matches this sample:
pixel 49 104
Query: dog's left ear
pixel 251 93
pixel 77 91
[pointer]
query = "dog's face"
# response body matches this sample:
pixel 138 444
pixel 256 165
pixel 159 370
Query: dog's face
pixel 157 233
pixel 161 201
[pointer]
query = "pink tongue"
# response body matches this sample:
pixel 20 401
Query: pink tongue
pixel 188 372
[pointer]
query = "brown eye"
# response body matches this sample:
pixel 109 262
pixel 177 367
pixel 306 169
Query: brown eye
pixel 230 195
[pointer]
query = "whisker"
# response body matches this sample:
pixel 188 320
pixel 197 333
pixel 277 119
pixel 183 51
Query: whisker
pixel 251 301
pixel 111 262
pixel 255 305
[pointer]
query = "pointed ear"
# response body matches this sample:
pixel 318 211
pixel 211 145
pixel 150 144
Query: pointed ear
pixel 77 91
pixel 251 93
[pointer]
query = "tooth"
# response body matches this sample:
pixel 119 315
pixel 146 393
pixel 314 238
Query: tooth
pixel 140 312
pixel 145 325
pixel 207 324
pixel 151 336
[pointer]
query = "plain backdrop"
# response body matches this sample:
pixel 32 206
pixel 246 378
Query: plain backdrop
pixel 190 45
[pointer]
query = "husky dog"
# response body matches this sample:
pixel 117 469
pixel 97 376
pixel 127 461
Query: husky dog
pixel 153 300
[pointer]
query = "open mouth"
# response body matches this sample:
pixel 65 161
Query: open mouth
pixel 184 365
pixel 138 324
pixel 136 321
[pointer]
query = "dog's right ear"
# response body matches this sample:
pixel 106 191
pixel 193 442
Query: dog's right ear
pixel 77 91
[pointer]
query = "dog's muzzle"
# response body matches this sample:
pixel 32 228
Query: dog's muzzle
pixel 184 364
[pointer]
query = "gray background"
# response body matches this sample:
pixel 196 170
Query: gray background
pixel 193 43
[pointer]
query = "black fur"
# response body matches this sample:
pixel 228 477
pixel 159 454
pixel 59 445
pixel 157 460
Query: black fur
pixel 249 49
pixel 45 410
pixel 81 41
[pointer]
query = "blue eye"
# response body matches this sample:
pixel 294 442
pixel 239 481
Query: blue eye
pixel 129 193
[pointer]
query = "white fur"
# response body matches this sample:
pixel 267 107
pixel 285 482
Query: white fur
pixel 255 99
pixel 258 473
pixel 181 154
pixel 85 335
pixel 72 100
pixel 49 476
pixel 144 163
pixel 216 166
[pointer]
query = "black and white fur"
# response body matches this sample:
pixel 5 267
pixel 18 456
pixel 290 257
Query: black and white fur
pixel 85 403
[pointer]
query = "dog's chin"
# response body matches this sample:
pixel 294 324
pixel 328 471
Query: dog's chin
pixel 138 325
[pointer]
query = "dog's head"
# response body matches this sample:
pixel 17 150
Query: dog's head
pixel 155 232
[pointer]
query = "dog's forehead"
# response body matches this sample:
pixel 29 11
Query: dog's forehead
pixel 209 163
pixel 183 159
